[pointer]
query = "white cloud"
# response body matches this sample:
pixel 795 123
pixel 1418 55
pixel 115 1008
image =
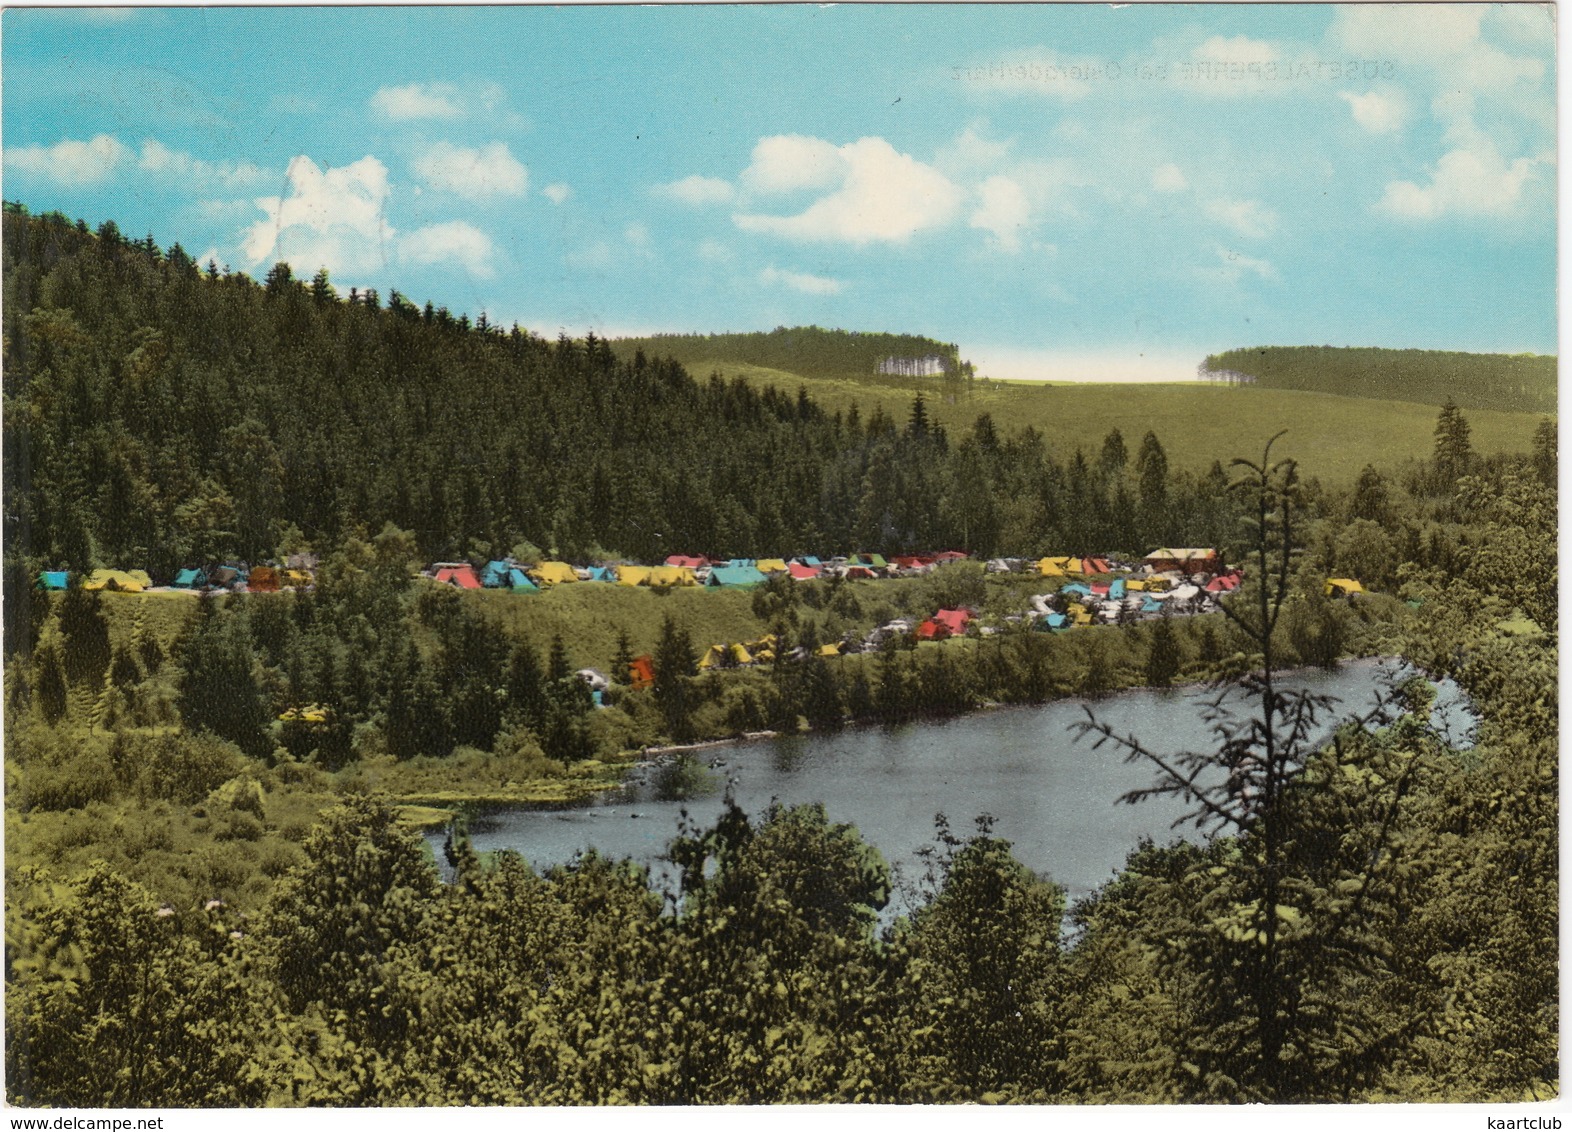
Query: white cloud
pixel 714 251
pixel 1428 31
pixel 1235 265
pixel 789 162
pixel 1169 179
pixel 1004 211
pixel 159 159
pixel 556 193
pixel 417 101
pixel 799 281
pixel 70 163
pixel 697 190
pixel 1239 49
pixel 454 242
pixel 1380 112
pixel 473 174
pixel 883 195
pixel 1245 217
pixel 971 153
pixel 1474 181
pixel 332 219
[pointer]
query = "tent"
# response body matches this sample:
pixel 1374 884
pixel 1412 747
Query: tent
pixel 601 574
pixel 1077 588
pixel 873 561
pixel 632 575
pixel 553 573
pixel 519 582
pixel 224 576
pixel 1095 565
pixel 298 578
pixel 190 579
pixel 830 650
pixel 691 562
pixel 113 580
pixel 1226 583
pixel 722 656
pixel 1151 605
pixel 53 579
pixel 801 572
pixel 494 575
pixel 771 565
pixel 263 580
pixel 1052 567
pixel 735 576
pixel 808 560
pixel 1342 587
pixel 737 563
pixel 1186 559
pixel 951 556
pixel 671 576
pixel 460 574
pixel 1116 589
pixel 641 671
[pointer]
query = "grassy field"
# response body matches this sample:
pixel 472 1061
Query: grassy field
pixel 1332 436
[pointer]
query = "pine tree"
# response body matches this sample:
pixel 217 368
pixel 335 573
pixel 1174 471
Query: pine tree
pixel 1454 456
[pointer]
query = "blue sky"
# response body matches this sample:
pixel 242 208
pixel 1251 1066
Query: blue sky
pixel 1062 191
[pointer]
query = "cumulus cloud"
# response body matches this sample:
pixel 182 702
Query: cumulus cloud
pixel 1239 49
pixel 1169 178
pixel 1244 217
pixel 556 193
pixel 799 281
pixel 1473 181
pixel 329 218
pixel 159 159
pixel 418 101
pixel 971 153
pixel 71 163
pixel 1004 211
pixel 1380 112
pixel 789 162
pixel 474 174
pixel 455 243
pixel 697 190
pixel 879 194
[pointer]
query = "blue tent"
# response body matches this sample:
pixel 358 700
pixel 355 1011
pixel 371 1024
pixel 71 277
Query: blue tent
pixel 191 579
pixel 495 575
pixel 1116 589
pixel 52 580
pixel 741 563
pixel 1151 605
pixel 1076 588
pixel 735 576
pixel 601 574
pixel 519 582
pixel 809 560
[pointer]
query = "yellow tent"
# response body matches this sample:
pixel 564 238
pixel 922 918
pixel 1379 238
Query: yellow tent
pixel 1342 587
pixel 140 576
pixel 1083 618
pixel 295 577
pixel 551 573
pixel 829 650
pixel 770 565
pixel 1074 566
pixel 1052 567
pixel 671 576
pixel 1136 584
pixel 632 575
pixel 717 655
pixel 114 580
pixel 741 655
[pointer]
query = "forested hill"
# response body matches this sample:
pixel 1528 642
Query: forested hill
pixel 807 350
pixel 157 413
pixel 1521 382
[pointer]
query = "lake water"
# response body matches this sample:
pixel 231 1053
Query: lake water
pixel 1049 793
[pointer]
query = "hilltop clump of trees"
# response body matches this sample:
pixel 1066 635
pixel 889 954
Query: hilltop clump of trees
pixel 811 351
pixel 1522 382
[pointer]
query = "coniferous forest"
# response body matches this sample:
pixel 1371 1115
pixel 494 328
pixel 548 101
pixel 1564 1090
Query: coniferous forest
pixel 217 898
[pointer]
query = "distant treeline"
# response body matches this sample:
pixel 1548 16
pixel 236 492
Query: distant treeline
pixel 807 350
pixel 1513 382
pixel 160 412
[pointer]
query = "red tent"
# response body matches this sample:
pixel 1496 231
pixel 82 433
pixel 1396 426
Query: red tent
pixel 802 573
pixel 1099 589
pixel 641 671
pixel 1094 565
pixel 1223 583
pixel 263 580
pixel 860 572
pixel 460 574
pixel 950 556
pixel 691 562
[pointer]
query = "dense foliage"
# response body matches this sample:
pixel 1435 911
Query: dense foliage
pixel 159 414
pixel 809 350
pixel 213 899
pixel 1526 382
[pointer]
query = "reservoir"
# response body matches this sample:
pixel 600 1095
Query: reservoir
pixel 1052 795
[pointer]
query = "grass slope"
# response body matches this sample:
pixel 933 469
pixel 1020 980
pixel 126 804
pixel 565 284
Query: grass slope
pixel 1332 436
